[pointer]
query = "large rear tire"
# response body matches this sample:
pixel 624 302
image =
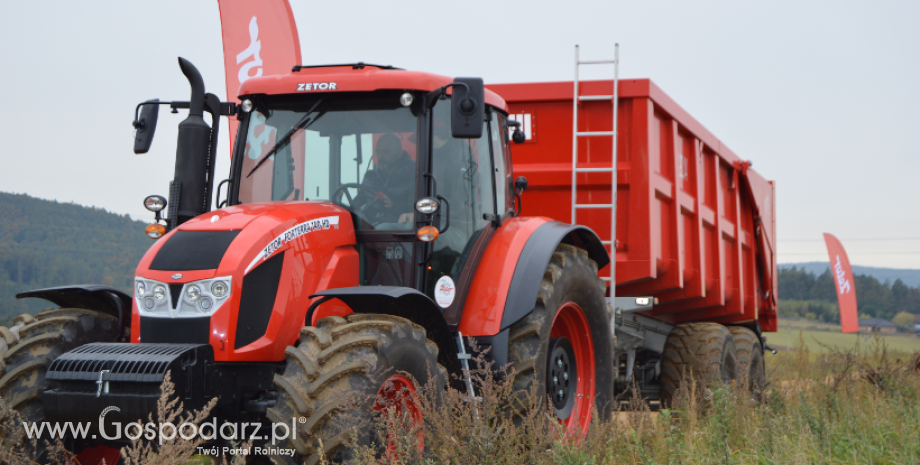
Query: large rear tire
pixel 703 352
pixel 750 357
pixel 570 323
pixel 358 361
pixel 39 341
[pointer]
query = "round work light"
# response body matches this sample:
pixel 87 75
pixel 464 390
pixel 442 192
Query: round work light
pixel 155 203
pixel 427 205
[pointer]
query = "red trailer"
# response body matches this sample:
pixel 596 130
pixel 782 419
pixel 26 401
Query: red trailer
pixel 696 225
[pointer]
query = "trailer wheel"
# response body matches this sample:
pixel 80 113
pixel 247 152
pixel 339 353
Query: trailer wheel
pixel 703 352
pixel 750 357
pixel 38 341
pixel 344 369
pixel 563 348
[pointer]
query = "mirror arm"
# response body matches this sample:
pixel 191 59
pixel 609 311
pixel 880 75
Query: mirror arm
pixel 432 97
pixel 226 108
pixel 138 124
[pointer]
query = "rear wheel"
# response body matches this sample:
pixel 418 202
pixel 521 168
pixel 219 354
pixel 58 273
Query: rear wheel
pixel 341 372
pixel 703 352
pixel 38 341
pixel 750 357
pixel 563 348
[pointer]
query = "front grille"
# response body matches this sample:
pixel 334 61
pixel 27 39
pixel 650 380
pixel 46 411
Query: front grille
pixel 175 292
pixel 176 330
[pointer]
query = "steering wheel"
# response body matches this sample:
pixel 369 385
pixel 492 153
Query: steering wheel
pixel 363 210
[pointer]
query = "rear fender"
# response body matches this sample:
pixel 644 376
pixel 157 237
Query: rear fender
pixel 91 297
pixel 404 302
pixel 508 279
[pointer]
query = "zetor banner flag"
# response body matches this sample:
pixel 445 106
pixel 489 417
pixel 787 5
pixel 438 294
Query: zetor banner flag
pixel 843 277
pixel 260 39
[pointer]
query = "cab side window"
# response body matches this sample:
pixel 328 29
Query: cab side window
pixel 463 169
pixel 504 182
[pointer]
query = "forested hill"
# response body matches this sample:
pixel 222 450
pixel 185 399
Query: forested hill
pixel 908 277
pixel 805 294
pixel 45 243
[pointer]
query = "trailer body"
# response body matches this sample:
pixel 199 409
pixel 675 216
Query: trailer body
pixel 695 224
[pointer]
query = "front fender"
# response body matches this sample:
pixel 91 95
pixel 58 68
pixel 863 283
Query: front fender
pixel 89 296
pixel 508 278
pixel 397 301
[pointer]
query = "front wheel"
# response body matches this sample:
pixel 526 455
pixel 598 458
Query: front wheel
pixel 341 372
pixel 35 343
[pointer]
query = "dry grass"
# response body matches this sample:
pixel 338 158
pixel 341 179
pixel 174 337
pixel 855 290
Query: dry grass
pixel 831 408
pixel 174 451
pixel 836 408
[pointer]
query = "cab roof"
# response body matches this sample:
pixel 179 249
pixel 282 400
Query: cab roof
pixel 358 77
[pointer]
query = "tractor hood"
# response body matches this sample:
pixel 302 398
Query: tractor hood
pixel 270 257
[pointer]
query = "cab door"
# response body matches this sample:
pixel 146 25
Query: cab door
pixel 465 173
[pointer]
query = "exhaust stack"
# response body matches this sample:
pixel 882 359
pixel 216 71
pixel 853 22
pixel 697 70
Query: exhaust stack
pixel 188 190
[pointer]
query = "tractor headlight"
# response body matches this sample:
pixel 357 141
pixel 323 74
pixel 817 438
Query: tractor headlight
pixel 159 293
pixel 192 292
pixel 199 298
pixel 151 296
pixel 204 297
pixel 220 289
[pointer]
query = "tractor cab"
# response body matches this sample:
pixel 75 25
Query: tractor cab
pixel 382 144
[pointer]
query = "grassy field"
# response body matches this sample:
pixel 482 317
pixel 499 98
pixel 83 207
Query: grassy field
pixel 789 332
pixel 836 407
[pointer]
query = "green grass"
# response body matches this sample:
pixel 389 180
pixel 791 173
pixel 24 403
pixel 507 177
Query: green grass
pixel 836 407
pixel 789 331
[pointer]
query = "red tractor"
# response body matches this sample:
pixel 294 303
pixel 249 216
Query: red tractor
pixel 370 224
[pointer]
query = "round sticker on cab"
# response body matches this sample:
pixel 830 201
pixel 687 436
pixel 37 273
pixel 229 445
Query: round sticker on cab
pixel 444 291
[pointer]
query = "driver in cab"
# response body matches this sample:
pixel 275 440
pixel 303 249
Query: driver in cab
pixel 393 179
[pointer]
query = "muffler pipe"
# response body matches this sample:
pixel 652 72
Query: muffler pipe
pixel 189 186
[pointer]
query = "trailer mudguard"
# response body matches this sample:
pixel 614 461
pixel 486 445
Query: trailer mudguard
pixel 508 278
pixel 89 296
pixel 397 301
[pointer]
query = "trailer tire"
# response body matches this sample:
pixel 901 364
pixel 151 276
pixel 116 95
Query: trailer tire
pixel 336 374
pixel 570 288
pixel 750 357
pixel 704 352
pixel 39 341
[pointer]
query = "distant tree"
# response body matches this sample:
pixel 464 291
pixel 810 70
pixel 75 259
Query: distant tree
pixel 903 318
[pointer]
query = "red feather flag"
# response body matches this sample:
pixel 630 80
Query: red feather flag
pixel 843 279
pixel 260 39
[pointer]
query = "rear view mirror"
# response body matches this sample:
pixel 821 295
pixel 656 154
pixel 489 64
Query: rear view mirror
pixel 517 136
pixel 467 108
pixel 145 125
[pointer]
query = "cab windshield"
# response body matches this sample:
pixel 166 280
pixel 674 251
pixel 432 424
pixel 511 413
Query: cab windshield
pixel 359 155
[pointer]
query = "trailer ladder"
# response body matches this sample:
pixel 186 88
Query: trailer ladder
pixel 613 166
